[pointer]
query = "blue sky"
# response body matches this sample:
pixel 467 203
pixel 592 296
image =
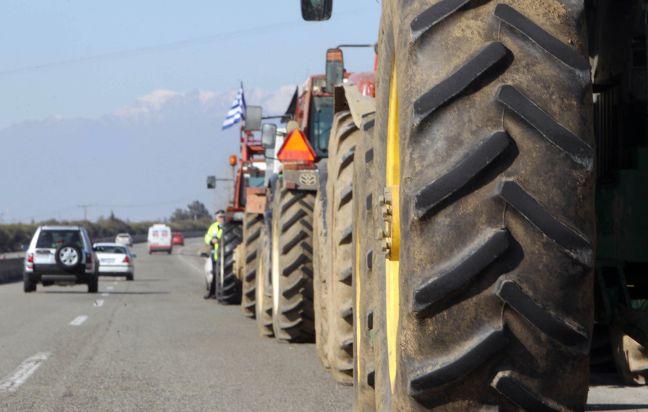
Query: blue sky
pixel 38 32
pixel 67 61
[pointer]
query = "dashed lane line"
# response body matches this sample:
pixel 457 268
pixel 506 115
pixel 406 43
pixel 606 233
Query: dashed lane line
pixel 23 372
pixel 98 303
pixel 78 321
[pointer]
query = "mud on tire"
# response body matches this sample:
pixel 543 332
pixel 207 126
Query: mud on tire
pixel 263 289
pixel 252 226
pixel 342 150
pixel 292 265
pixel 491 304
pixel 364 290
pixel 321 268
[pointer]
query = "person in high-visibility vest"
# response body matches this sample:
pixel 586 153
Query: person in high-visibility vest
pixel 212 238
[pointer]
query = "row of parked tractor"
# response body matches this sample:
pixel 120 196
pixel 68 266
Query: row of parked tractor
pixel 432 225
pixel 286 246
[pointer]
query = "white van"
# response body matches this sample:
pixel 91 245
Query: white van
pixel 159 239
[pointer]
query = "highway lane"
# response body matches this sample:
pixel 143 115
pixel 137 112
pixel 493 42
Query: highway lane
pixel 154 344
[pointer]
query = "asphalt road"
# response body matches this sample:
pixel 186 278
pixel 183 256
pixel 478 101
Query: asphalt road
pixel 155 345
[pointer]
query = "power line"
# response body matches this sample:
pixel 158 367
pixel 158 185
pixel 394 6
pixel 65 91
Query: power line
pixel 181 44
pixel 86 207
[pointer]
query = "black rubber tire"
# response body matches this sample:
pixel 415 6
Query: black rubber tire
pixel 93 284
pixel 495 292
pixel 228 286
pixel 292 265
pixel 263 289
pixel 252 226
pixel 28 285
pixel 364 291
pixel 321 269
pixel 130 278
pixel 342 145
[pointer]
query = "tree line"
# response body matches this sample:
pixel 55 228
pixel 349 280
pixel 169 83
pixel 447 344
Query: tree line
pixel 194 217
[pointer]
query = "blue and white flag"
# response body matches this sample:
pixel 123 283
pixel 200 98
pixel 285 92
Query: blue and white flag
pixel 237 111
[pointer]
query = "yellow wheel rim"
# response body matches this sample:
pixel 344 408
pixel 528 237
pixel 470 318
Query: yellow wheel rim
pixel 392 261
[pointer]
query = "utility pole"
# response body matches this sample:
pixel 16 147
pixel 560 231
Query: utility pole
pixel 85 211
pixel 212 183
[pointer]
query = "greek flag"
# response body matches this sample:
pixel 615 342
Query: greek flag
pixel 237 111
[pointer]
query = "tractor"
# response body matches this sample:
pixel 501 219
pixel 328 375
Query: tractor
pixel 244 216
pixel 499 208
pixel 295 271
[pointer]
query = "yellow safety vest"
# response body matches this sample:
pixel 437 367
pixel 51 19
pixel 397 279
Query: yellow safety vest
pixel 214 231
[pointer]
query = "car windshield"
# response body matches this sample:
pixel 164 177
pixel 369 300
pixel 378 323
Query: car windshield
pixel 52 239
pixel 110 249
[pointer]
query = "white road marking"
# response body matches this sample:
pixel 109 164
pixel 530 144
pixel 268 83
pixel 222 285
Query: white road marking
pixel 78 321
pixel 105 294
pixel 110 288
pixel 99 303
pixel 23 372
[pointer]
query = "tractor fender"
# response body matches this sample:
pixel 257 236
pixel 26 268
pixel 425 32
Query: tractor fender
pixel 348 97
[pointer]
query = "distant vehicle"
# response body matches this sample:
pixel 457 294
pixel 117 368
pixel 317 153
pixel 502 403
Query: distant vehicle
pixel 177 239
pixel 60 255
pixel 115 260
pixel 124 239
pixel 159 239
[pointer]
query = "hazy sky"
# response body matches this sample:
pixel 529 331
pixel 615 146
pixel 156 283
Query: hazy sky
pixel 71 72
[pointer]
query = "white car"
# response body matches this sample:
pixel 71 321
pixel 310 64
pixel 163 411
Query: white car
pixel 60 255
pixel 124 239
pixel 115 260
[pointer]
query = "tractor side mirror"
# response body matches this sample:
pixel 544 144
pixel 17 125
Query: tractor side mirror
pixel 268 135
pixel 316 10
pixel 253 115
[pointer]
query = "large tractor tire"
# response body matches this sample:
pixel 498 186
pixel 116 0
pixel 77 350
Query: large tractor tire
pixel 321 268
pixel 228 286
pixel 484 146
pixel 364 290
pixel 263 289
pixel 252 226
pixel 292 265
pixel 342 145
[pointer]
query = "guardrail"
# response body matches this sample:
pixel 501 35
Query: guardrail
pixel 11 264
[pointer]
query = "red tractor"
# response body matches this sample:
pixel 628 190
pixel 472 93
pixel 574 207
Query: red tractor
pixel 244 216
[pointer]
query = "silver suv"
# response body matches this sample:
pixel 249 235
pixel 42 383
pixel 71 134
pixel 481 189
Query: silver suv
pixel 60 255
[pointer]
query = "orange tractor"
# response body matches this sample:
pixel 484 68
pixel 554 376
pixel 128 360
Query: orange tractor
pixel 244 215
